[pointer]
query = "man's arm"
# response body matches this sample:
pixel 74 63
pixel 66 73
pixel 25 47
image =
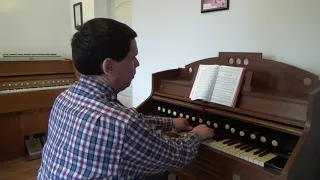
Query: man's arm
pixel 146 151
pixel 161 123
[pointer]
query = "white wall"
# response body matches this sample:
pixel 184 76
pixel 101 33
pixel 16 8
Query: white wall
pixel 175 33
pixel 35 26
pixel 122 11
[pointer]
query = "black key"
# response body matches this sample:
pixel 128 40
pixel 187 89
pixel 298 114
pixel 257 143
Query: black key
pixel 230 140
pixel 232 143
pixel 258 152
pixel 240 145
pixel 250 149
pixel 245 147
pixel 218 137
pixel 264 153
pixel 276 164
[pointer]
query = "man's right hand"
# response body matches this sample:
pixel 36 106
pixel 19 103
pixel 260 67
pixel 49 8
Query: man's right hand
pixel 203 131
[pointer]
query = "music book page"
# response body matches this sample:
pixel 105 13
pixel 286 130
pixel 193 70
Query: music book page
pixel 227 85
pixel 204 82
pixel 217 84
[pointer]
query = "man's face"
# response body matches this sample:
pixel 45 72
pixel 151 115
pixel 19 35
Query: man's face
pixel 125 70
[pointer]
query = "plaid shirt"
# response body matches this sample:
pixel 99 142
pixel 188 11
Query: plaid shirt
pixel 91 135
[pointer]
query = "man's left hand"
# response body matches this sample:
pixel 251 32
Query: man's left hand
pixel 181 124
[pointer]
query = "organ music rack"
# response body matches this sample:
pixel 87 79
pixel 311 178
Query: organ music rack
pixel 28 89
pixel 271 134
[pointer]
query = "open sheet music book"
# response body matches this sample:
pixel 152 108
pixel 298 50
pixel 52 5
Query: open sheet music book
pixel 218 84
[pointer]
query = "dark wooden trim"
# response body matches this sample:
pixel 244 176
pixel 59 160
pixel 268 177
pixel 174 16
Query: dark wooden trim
pixel 211 10
pixel 74 14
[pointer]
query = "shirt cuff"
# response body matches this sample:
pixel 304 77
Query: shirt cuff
pixel 167 124
pixel 193 137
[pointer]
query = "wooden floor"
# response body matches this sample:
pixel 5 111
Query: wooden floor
pixel 21 169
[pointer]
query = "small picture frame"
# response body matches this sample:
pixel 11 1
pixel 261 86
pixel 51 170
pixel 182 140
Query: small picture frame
pixel 214 5
pixel 77 15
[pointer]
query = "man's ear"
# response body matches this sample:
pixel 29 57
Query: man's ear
pixel 107 65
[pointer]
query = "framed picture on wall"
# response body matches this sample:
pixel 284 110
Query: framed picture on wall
pixel 77 15
pixel 214 5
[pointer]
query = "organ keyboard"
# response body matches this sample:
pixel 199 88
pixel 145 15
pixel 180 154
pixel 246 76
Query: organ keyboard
pixel 270 134
pixel 27 92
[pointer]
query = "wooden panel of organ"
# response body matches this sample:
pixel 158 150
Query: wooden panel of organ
pixel 270 134
pixel 27 92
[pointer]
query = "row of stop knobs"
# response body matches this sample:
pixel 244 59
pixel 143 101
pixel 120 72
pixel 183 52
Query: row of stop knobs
pixel 216 125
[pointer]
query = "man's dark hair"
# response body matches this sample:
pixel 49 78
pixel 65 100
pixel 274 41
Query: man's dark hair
pixel 98 39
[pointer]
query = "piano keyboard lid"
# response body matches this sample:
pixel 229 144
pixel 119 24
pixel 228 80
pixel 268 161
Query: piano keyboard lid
pixel 30 57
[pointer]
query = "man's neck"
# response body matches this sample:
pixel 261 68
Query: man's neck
pixel 107 81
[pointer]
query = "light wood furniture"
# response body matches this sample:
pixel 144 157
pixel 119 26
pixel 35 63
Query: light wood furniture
pixel 27 92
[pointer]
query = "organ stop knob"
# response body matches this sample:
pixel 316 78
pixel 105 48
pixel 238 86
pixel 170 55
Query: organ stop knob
pixel 274 143
pixel 200 121
pixel 215 125
pixel 253 136
pixel 263 139
pixel 208 123
pixel 233 130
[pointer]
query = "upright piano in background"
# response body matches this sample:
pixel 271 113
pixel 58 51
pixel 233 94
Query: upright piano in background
pixel 29 85
pixel 271 134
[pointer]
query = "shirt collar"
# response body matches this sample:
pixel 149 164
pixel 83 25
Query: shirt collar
pixel 98 85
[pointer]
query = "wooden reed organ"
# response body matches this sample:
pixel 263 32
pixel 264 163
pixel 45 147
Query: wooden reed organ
pixel 28 89
pixel 271 134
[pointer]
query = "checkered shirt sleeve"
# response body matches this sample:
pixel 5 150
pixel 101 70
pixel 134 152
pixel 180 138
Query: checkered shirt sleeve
pixel 146 151
pixel 160 123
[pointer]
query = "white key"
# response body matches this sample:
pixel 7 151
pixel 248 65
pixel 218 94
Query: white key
pixel 237 153
pixel 259 159
pixel 233 149
pixel 218 144
pixel 209 143
pixel 221 145
pixel 246 154
pixel 225 149
pixel 251 156
pixel 266 158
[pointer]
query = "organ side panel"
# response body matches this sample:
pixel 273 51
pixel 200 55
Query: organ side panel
pixel 12 141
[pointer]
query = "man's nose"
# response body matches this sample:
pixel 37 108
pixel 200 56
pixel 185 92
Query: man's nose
pixel 137 63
